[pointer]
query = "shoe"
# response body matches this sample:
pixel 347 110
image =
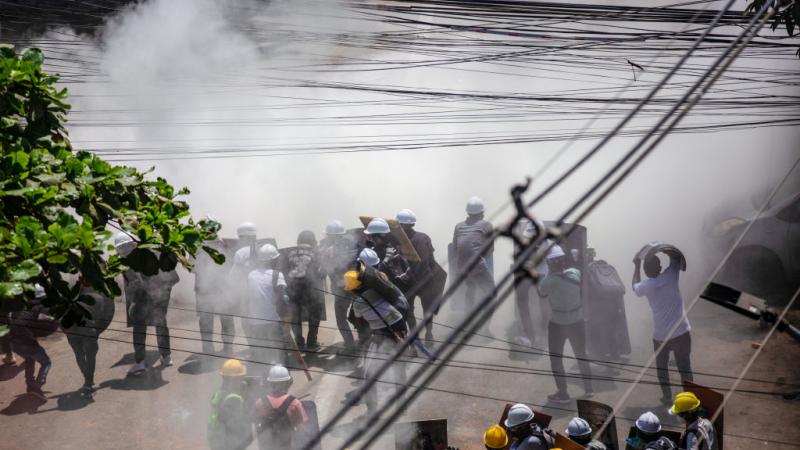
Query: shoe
pixel 36 390
pixel 166 361
pixel 313 346
pixel 137 369
pixel 666 400
pixel 87 392
pixel 9 359
pixel 588 393
pixel 559 397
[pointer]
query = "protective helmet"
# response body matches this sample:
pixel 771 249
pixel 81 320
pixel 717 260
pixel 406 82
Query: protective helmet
pixel 662 443
pixel 38 291
pixel 685 402
pixel 246 229
pixel 267 252
pixel 335 228
pixel 555 252
pixel 578 427
pixel 377 226
pixel 648 423
pixel 495 437
pixel 474 206
pixel 351 281
pixel 122 239
pixel 233 368
pixel 278 373
pixel 307 237
pixel 369 257
pixel 406 217
pixel 518 415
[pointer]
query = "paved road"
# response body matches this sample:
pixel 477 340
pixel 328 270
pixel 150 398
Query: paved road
pixel 169 408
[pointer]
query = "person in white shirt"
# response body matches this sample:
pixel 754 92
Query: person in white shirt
pixel 266 301
pixel 670 325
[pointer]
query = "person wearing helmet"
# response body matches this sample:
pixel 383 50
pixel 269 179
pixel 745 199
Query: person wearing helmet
pixel 700 433
pixel 337 252
pixel 267 303
pixel 83 338
pixel 278 415
pixel 647 429
pixel 381 304
pixel 147 299
pixel 429 277
pixel 24 323
pixel 468 238
pixel 579 431
pixel 228 424
pixel 562 288
pixel 304 281
pixel 391 262
pixel 527 434
pixel 671 329
pixel 495 438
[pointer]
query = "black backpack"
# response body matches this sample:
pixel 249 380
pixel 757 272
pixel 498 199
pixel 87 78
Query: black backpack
pixel 275 430
pixel 663 443
pixel 604 279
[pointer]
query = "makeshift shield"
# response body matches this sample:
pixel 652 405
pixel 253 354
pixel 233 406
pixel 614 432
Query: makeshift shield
pixel 424 434
pixel 655 247
pixel 596 414
pixel 404 243
pixel 565 443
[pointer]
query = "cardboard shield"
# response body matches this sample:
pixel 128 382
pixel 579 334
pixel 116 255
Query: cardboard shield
pixel 565 443
pixel 711 402
pixel 674 436
pixel 308 430
pixel 406 247
pixel 424 434
pixel 596 414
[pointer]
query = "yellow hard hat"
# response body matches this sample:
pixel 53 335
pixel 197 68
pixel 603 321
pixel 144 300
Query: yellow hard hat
pixel 233 368
pixel 685 402
pixel 495 437
pixel 351 280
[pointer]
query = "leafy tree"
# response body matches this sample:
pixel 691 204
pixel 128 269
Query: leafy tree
pixel 57 206
pixel 787 13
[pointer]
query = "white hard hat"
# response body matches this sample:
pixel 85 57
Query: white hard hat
pixel 648 423
pixel 518 415
pixel 578 427
pixel 474 205
pixel 278 373
pixel 38 291
pixel 555 252
pixel 246 229
pixel 121 239
pixel 335 227
pixel 369 257
pixel 267 252
pixel 406 217
pixel 377 226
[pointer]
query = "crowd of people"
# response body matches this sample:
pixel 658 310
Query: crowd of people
pixel 374 276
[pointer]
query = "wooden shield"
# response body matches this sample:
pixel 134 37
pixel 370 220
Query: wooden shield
pixel 406 247
pixel 565 443
pixel 596 414
pixel 711 401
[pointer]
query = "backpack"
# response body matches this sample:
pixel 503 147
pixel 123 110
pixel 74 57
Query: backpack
pixel 663 443
pixel 604 280
pixel 276 430
pixel 301 261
